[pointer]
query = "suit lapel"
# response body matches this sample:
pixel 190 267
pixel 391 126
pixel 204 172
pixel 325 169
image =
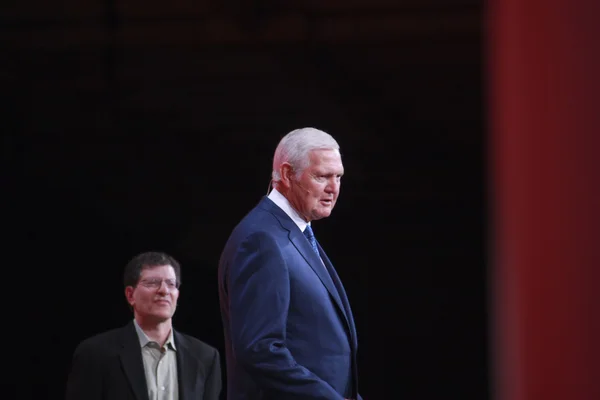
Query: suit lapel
pixel 133 365
pixel 347 312
pixel 299 241
pixel 343 297
pixel 187 369
pixel 331 281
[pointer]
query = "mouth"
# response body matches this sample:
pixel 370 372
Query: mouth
pixel 327 202
pixel 163 302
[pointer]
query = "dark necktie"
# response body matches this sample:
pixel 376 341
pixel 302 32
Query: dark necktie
pixel 308 232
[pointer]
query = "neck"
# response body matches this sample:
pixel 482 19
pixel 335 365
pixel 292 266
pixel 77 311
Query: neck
pixel 288 195
pixel 158 332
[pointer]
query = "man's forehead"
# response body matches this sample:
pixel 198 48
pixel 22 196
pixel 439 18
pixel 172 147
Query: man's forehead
pixel 157 269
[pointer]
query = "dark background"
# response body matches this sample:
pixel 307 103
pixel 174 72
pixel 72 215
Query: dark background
pixel 141 125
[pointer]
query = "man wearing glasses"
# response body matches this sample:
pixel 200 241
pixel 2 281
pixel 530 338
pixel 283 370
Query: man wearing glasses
pixel 146 359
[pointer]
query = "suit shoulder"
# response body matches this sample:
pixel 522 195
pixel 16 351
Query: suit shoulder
pixel 260 224
pixel 258 219
pixel 99 343
pixel 198 345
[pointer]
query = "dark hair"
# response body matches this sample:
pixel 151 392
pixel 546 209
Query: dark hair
pixel 150 259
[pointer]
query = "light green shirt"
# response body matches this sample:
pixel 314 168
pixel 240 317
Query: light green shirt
pixel 160 366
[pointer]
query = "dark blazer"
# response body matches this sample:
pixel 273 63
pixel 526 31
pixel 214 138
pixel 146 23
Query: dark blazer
pixel 289 330
pixel 109 366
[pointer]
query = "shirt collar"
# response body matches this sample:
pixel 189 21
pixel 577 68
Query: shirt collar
pixel 144 339
pixel 283 203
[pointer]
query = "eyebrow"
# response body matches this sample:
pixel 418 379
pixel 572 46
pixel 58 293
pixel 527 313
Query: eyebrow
pixel 157 277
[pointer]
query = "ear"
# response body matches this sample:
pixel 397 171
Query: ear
pixel 129 295
pixel 286 172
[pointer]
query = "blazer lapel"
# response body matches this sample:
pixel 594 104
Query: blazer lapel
pixel 348 314
pixel 187 370
pixel 344 298
pixel 133 365
pixel 315 263
pixel 299 241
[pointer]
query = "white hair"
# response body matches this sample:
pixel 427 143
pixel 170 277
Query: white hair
pixel 294 148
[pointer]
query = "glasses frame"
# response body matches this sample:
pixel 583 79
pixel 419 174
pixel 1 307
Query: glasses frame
pixel 156 284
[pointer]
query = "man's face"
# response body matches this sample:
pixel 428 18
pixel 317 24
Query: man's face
pixel 154 298
pixel 314 193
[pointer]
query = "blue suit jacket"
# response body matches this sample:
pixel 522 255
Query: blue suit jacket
pixel 289 330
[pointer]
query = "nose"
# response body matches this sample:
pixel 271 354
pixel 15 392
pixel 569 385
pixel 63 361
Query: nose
pixel 163 288
pixel 333 185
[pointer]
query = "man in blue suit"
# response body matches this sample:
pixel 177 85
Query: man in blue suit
pixel 289 330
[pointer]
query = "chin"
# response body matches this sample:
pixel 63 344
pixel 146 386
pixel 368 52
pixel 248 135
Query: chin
pixel 321 215
pixel 163 316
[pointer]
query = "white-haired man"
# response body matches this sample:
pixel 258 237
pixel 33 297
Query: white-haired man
pixel 289 329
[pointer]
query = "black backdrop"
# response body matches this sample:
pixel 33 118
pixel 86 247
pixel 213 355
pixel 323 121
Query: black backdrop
pixel 116 148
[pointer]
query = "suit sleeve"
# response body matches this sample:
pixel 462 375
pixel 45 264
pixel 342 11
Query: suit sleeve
pixel 212 387
pixel 259 293
pixel 85 380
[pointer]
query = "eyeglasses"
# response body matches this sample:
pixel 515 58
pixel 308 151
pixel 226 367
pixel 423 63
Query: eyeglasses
pixel 156 283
